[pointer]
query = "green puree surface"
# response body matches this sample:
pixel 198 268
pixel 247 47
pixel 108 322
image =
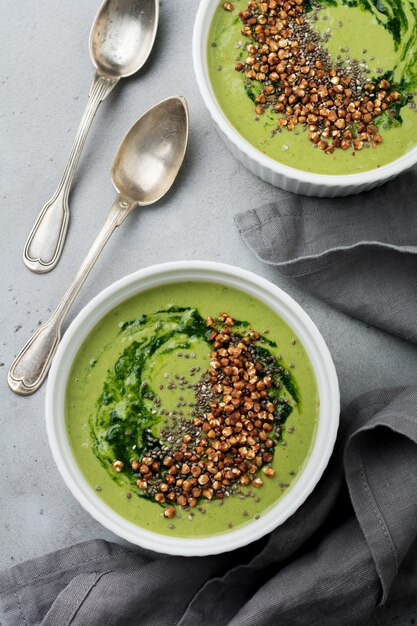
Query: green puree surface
pixel 350 27
pixel 96 360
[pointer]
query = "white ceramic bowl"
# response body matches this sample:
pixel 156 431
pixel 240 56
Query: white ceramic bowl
pixel 268 169
pixel 156 276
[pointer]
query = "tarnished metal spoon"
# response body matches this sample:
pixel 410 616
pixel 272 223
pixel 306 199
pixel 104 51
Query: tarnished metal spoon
pixel 121 40
pixel 144 168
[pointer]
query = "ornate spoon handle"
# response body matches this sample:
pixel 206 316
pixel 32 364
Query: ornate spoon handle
pixel 28 370
pixel 46 240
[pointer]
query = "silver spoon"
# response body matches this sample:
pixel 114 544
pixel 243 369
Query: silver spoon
pixel 144 168
pixel 121 40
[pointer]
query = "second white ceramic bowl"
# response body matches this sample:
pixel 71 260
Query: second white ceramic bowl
pixel 268 169
pixel 158 276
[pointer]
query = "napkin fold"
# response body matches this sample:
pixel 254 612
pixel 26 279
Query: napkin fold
pixel 350 552
pixel 357 253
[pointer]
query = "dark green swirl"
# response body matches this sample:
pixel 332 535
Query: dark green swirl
pixel 127 412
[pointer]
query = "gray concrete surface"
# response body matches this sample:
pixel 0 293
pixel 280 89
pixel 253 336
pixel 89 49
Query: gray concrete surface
pixel 44 77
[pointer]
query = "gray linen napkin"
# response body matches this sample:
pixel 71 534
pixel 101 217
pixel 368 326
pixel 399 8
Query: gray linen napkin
pixel 351 549
pixel 357 253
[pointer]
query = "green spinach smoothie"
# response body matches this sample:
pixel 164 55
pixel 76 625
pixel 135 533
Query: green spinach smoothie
pixel 191 409
pixel 328 87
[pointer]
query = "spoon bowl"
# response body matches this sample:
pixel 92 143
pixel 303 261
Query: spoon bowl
pixel 150 155
pixel 122 36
